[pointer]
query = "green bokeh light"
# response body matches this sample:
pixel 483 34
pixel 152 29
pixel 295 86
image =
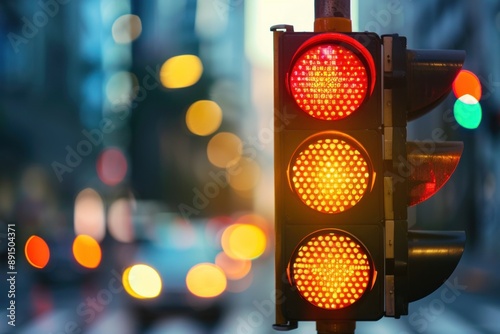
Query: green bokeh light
pixel 468 112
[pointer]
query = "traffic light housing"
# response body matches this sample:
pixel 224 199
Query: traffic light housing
pixel 345 175
pixel 328 175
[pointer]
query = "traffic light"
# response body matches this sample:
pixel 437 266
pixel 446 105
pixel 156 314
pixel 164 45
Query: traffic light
pixel 329 176
pixel 345 176
pixel 416 81
pixel 432 255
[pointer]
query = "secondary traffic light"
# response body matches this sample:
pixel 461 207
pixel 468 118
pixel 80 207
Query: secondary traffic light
pixel 416 81
pixel 329 176
pixel 432 255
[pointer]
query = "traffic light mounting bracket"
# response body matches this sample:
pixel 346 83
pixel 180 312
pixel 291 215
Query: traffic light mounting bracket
pixel 395 186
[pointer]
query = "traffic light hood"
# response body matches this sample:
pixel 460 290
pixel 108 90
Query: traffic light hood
pixel 430 76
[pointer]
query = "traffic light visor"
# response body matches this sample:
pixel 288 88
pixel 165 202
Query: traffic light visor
pixel 331 75
pixel 330 172
pixel 433 167
pixel 331 269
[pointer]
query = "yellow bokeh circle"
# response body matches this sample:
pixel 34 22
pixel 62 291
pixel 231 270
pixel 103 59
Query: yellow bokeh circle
pixel 142 281
pixel 243 241
pixel 203 117
pixel 206 280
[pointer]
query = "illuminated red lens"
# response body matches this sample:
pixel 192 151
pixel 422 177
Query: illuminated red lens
pixel 330 172
pixel 331 269
pixel 329 80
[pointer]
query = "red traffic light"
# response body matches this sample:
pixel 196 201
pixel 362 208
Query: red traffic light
pixel 331 75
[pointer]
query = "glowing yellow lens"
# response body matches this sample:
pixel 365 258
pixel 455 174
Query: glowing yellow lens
pixel 330 174
pixel 331 270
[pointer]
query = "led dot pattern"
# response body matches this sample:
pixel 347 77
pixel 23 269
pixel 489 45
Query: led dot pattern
pixel 329 81
pixel 331 270
pixel 330 175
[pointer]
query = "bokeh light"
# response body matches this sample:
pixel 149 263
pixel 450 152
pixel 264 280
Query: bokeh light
pixel 206 280
pixel 243 241
pixel 224 148
pixel 121 87
pixel 467 83
pixel 203 117
pixel 126 284
pixel 126 28
pixel 235 269
pixel 142 281
pixel 468 112
pixel 89 214
pixel 244 175
pixel 257 220
pixel 37 252
pixel 87 251
pixel 181 71
pixel 120 220
pixel 111 166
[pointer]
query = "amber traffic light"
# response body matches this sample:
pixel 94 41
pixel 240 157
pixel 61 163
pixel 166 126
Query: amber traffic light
pixel 330 172
pixel 331 269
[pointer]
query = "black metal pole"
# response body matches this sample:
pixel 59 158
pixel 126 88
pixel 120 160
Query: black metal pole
pixel 332 8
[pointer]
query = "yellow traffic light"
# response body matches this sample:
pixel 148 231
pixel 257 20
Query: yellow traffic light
pixel 331 269
pixel 330 172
